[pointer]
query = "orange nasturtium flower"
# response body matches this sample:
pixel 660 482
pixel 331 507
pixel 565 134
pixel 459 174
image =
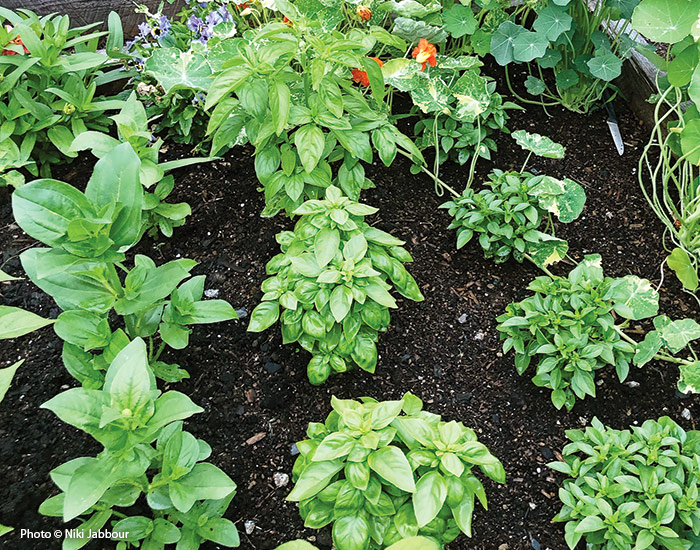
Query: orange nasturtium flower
pixel 361 77
pixel 17 41
pixel 425 53
pixel 364 13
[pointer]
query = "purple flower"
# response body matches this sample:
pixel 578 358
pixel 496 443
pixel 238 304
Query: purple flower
pixel 144 29
pixel 213 19
pixel 207 33
pixel 164 24
pixel 195 23
pixel 225 14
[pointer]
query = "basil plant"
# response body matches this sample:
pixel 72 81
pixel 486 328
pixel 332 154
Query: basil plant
pixel 289 89
pixel 87 235
pixel 145 453
pixel 383 471
pixel 507 215
pixel 631 489
pixel 332 281
pixel 568 329
pixel 132 127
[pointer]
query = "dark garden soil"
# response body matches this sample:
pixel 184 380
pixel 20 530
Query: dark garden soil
pixel 255 393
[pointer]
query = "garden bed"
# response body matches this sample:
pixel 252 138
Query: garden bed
pixel 255 391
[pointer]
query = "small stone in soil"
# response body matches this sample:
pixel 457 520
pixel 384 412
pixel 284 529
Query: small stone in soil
pixel 242 313
pixel 462 318
pixel 463 398
pixel 281 479
pixel 294 450
pixel 211 292
pixel 632 384
pixel 479 336
pixel 685 413
pixel 249 526
pixel 535 545
pixel 547 453
pixel 272 368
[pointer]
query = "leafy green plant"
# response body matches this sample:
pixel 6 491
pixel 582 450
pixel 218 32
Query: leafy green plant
pixel 379 475
pixel 290 90
pixel 584 44
pixel 332 282
pixel 507 215
pixel 50 75
pixel 458 106
pixel 568 328
pixel 132 127
pixel 15 322
pixel 88 234
pixel 668 167
pixel 631 489
pixel 141 431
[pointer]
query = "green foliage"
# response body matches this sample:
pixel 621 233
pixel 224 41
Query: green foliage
pixel 88 234
pixel 49 75
pixel 132 127
pixel 289 90
pixel 146 456
pixel 668 165
pixel 332 282
pixel 568 328
pixel 459 107
pixel 6 376
pixel 584 47
pixel 379 475
pixel 410 543
pixel 507 215
pixel 631 489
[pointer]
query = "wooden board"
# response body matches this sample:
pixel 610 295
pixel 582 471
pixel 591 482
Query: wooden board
pixel 83 12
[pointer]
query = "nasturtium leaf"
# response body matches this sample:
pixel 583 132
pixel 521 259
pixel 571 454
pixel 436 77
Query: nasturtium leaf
pixel 647 348
pixel 535 86
pixel 6 376
pixel 668 21
pixel 683 65
pixel 529 45
pixel 633 297
pixel 472 94
pixel 432 95
pixel 539 145
pixel 391 464
pixel 502 42
pixel 677 334
pixel 689 381
pixel 462 62
pixel 430 495
pixel 606 65
pixel 680 263
pixel 400 72
pixel 175 69
pixel 566 79
pixel 690 141
pixel 412 30
pixel 625 7
pixel 550 59
pixel 15 322
pixel 547 250
pixel 552 21
pixel 459 20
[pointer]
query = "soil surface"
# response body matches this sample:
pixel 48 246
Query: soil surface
pixel 254 390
